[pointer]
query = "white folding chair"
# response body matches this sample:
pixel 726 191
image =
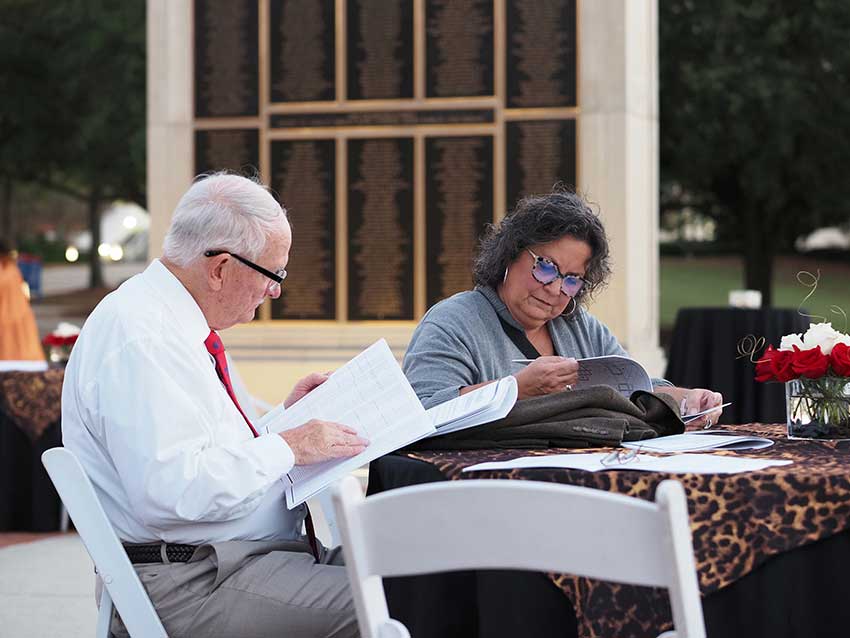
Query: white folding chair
pixel 481 524
pixel 121 584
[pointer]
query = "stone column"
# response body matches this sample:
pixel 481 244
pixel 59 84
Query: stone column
pixel 169 101
pixel 618 161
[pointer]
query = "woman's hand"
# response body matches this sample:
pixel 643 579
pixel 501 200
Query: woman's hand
pixel 546 375
pixel 696 400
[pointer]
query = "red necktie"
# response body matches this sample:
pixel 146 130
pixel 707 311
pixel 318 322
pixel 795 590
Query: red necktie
pixel 216 348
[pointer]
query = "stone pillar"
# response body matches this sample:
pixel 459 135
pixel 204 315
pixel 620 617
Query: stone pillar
pixel 169 100
pixel 618 161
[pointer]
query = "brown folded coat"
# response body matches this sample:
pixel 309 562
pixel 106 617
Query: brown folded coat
pixel 592 417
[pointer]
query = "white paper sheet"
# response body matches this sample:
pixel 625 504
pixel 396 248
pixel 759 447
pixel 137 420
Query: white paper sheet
pixel 677 464
pixel 692 442
pixel 370 394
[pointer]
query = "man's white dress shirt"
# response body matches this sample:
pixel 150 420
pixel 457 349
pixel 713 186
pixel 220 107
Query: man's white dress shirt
pixel 169 454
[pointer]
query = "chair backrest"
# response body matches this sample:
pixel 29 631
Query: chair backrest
pixel 119 578
pixel 504 524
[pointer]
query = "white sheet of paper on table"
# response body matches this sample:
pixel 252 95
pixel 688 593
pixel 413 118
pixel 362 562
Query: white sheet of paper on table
pixel 676 464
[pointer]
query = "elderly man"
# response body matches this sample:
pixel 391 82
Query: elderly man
pixel 194 491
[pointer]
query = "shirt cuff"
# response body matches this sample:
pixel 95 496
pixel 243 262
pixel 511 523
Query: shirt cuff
pixel 273 454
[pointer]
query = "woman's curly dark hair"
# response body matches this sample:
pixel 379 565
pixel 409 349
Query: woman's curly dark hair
pixel 539 219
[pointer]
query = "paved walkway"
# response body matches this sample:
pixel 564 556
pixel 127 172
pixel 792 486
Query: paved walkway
pixel 47 588
pixel 47 582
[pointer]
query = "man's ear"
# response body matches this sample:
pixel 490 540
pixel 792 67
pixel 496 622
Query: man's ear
pixel 215 272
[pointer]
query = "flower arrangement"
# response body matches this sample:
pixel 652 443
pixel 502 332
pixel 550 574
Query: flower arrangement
pixel 60 341
pixel 815 368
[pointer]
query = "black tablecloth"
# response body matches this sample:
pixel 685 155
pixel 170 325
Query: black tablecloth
pixel 28 500
pixel 797 594
pixel 703 354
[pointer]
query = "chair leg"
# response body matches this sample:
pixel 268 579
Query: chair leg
pixel 104 616
pixel 63 519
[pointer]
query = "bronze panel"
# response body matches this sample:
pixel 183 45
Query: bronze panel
pixel 236 150
pixel 226 58
pixel 540 154
pixel 301 42
pixel 380 49
pixel 380 228
pixel 459 48
pixel 459 203
pixel 302 175
pixel 541 55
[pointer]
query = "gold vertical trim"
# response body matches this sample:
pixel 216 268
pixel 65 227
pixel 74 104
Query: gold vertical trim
pixel 340 53
pixel 341 229
pixel 419 49
pixel 499 88
pixel 264 78
pixel 420 290
pixel 577 117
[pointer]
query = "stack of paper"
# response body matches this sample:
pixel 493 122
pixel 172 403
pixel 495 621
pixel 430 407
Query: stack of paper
pixel 694 441
pixel 483 405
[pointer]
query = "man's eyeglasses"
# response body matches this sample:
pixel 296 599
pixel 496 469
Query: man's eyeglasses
pixel 545 272
pixel 276 277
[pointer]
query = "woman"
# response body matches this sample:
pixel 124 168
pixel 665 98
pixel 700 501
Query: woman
pixel 533 276
pixel 18 332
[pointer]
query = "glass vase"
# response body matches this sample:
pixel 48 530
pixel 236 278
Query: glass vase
pixel 818 408
pixel 58 356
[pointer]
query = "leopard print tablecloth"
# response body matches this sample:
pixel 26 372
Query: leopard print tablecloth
pixel 738 521
pixel 32 400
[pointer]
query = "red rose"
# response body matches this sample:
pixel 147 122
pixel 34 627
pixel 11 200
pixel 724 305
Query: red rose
pixel 782 365
pixel 840 359
pixel 764 367
pixel 55 340
pixel 811 363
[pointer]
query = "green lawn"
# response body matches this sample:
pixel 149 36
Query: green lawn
pixel 706 281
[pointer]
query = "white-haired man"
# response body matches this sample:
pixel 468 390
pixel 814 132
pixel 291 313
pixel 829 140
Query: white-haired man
pixel 192 489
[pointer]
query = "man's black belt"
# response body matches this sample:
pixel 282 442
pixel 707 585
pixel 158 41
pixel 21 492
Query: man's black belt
pixel 153 553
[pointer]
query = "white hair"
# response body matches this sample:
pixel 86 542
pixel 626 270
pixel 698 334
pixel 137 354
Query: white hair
pixel 222 212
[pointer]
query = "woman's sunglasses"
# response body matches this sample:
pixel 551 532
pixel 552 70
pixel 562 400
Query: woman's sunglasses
pixel 545 272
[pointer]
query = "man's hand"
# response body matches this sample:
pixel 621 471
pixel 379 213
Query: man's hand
pixel 306 385
pixel 546 375
pixel 318 441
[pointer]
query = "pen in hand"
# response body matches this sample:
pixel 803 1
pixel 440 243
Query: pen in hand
pixel 522 361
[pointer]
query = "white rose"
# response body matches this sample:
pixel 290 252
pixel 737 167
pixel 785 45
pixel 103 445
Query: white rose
pixel 820 334
pixel 842 338
pixel 65 329
pixel 789 341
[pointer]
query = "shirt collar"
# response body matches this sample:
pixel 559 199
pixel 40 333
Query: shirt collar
pixel 499 306
pixel 183 306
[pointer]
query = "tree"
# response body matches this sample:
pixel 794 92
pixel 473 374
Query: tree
pixel 755 120
pixel 72 118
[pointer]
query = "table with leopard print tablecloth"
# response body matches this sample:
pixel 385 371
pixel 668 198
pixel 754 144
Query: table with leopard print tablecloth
pixel 738 521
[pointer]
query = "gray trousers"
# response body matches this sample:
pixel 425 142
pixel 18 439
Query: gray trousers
pixel 251 589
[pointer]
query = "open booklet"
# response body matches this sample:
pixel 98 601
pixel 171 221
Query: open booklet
pixel 483 405
pixel 697 441
pixel 621 373
pixel 371 394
